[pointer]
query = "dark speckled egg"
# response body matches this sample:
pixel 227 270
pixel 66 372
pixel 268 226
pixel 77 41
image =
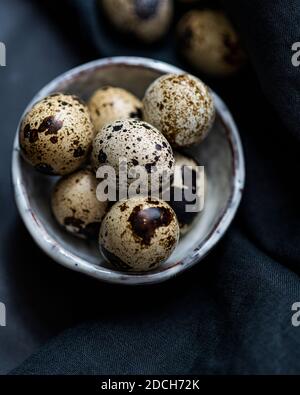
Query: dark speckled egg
pixel 137 142
pixel 139 234
pixel 147 20
pixel 56 134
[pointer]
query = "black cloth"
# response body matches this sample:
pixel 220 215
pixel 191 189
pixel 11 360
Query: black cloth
pixel 231 314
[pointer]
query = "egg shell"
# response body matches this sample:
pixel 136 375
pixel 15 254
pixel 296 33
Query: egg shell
pixel 56 134
pixel 146 20
pixel 185 218
pixel 75 204
pixel 181 106
pixel 139 234
pixel 209 42
pixel 140 143
pixel 109 104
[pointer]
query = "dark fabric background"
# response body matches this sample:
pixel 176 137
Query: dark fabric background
pixel 231 314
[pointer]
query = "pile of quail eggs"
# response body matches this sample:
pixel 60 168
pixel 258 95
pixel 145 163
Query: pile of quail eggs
pixel 206 38
pixel 62 136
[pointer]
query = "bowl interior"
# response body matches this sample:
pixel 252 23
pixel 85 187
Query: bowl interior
pixel 220 154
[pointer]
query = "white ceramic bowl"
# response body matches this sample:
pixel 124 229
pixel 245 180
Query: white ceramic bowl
pixel 221 154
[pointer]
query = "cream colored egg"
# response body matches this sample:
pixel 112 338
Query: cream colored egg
pixel 210 43
pixel 75 204
pixel 109 104
pixel 181 107
pixel 139 143
pixel 139 234
pixel 56 134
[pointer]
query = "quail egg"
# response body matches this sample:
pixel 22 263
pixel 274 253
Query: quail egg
pixel 109 104
pixel 181 107
pixel 210 43
pixel 137 142
pixel 147 20
pixel 139 234
pixel 188 177
pixel 56 134
pixel 76 206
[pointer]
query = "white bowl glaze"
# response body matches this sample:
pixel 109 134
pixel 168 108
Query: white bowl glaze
pixel 221 154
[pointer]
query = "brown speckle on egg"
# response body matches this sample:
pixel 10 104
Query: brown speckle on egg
pixel 188 112
pixel 146 9
pixel 145 20
pixel 111 144
pixel 144 222
pixel 109 104
pixel 138 234
pixel 51 131
pixel 75 204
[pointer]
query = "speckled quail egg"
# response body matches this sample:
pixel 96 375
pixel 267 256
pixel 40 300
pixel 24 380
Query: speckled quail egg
pixel 136 141
pixel 146 20
pixel 75 204
pixel 56 134
pixel 210 43
pixel 188 176
pixel 109 104
pixel 181 107
pixel 139 234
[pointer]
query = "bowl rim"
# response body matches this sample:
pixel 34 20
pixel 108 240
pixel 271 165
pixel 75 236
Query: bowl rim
pixel 60 254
